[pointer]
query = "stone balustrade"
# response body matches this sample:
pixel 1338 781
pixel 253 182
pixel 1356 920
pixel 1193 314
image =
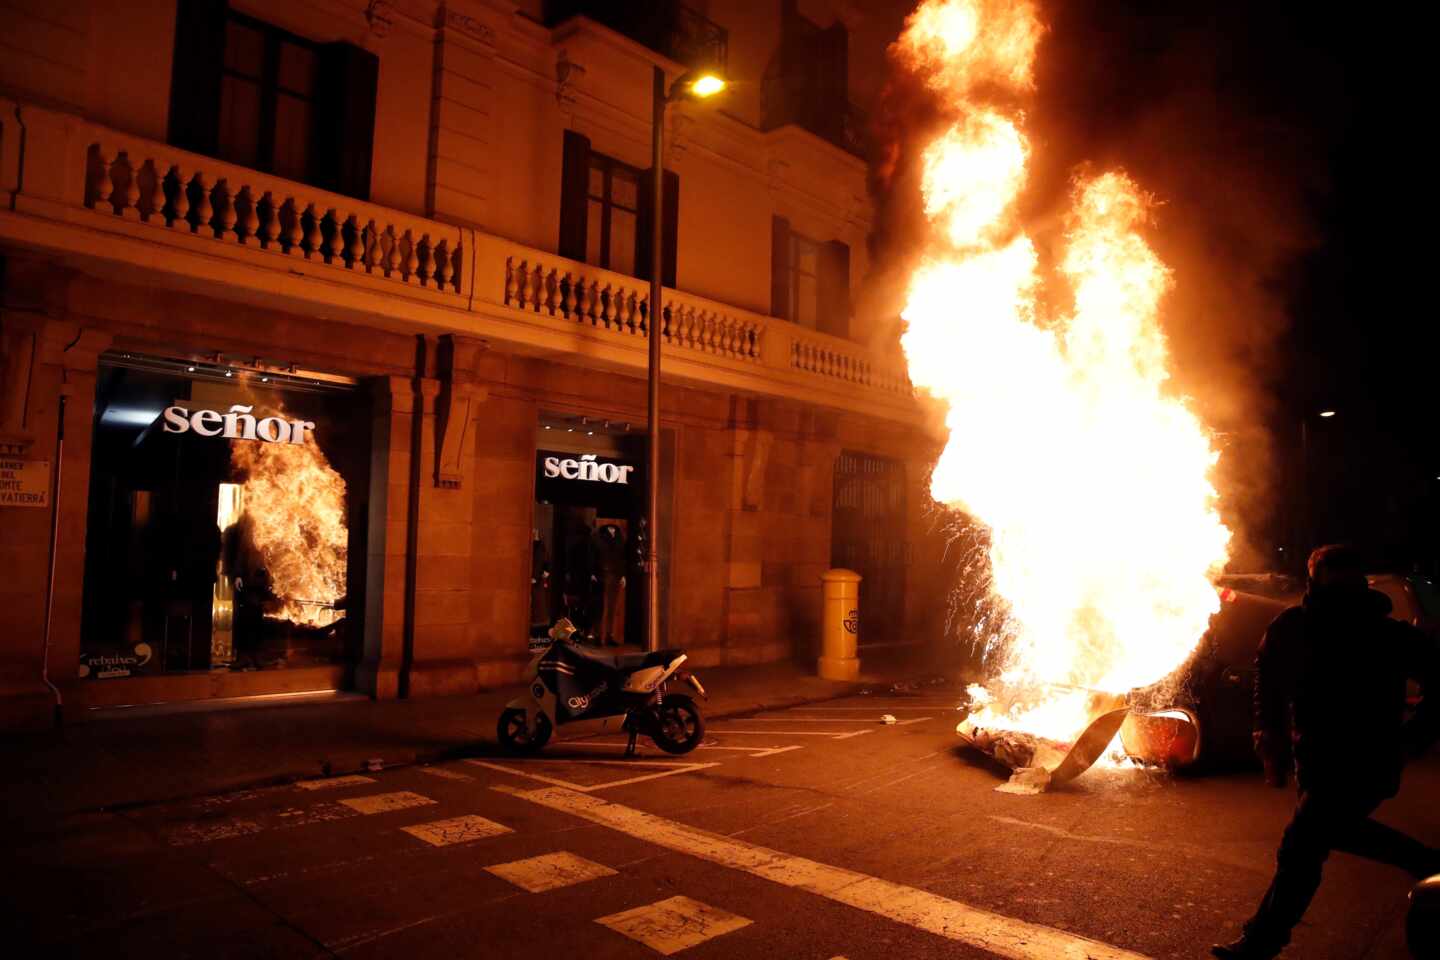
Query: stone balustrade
pixel 838 359
pixel 239 227
pixel 173 190
pixel 620 305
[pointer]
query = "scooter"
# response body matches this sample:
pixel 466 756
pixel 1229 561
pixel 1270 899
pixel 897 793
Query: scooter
pixel 569 682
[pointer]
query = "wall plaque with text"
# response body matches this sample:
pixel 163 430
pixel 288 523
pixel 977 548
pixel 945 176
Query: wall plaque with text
pixel 24 483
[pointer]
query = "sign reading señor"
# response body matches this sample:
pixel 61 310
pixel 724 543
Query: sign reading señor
pixel 238 424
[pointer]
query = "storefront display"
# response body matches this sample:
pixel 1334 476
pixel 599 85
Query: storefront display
pixel 226 519
pixel 588 500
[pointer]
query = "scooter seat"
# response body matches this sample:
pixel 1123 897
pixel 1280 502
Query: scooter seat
pixel 639 661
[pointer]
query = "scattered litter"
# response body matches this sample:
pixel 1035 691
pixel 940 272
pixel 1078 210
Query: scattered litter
pixel 889 718
pixel 1026 782
pixel 374 764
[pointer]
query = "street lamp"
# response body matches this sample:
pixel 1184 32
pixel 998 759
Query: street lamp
pixel 699 85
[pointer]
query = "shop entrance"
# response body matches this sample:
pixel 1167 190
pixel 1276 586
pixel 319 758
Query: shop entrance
pixel 587 545
pixel 226 527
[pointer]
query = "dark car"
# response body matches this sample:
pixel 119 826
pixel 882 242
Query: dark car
pixel 1200 715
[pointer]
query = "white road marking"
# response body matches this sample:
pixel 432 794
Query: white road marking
pixel 206 831
pixel 674 925
pixel 385 802
pixel 703 746
pixel 786 733
pixel 853 733
pixel 331 783
pixel 672 770
pixel 774 750
pixel 1001 935
pixel 445 833
pixel 802 720
pixel 550 871
pixel 445 774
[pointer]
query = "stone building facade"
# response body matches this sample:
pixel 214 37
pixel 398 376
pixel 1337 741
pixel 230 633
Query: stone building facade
pixel 380 275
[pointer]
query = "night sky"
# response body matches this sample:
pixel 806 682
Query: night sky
pixel 1281 144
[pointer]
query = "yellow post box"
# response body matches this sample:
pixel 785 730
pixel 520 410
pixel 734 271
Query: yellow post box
pixel 841 625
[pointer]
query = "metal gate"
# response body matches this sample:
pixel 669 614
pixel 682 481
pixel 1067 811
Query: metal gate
pixel 868 536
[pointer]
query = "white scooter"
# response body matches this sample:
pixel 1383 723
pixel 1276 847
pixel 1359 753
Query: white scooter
pixel 569 682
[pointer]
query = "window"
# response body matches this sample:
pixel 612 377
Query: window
pixel 605 212
pixel 267 98
pixel 612 214
pixel 809 280
pixel 804 281
pixel 253 94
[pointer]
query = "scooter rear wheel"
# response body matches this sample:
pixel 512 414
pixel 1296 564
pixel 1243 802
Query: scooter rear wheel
pixel 679 727
pixel 515 735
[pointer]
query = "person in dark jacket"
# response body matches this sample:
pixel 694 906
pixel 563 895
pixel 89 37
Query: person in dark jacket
pixel 1330 687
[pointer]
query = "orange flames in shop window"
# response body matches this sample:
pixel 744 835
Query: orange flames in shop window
pixel 294 504
pixel 1091 479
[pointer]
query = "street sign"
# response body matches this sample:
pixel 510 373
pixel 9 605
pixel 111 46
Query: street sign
pixel 24 483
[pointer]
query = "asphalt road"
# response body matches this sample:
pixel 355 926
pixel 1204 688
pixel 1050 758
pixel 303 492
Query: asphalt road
pixel 815 832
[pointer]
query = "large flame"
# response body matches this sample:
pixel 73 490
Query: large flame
pixel 1091 478
pixel 294 505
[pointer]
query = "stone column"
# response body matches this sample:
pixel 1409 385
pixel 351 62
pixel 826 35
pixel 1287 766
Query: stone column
pixel 47 366
pixel 386 582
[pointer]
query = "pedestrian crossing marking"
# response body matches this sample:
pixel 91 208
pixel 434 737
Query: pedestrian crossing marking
pixel 674 925
pixel 445 833
pixel 385 802
pixel 550 871
pixel 207 831
pixel 996 933
pixel 332 783
pixel 445 774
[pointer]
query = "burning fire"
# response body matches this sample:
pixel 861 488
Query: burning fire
pixel 295 510
pixel 1091 479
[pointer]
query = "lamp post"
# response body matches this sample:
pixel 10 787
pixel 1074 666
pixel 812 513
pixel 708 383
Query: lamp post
pixel 700 86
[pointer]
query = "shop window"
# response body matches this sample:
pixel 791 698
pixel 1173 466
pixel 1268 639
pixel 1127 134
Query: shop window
pixel 588 543
pixel 251 93
pixel 810 280
pixel 226 521
pixel 605 212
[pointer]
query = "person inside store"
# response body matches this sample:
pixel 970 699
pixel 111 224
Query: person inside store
pixel 1331 690
pixel 610 569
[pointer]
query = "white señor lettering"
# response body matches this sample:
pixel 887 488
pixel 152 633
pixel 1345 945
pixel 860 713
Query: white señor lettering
pixel 587 470
pixel 238 424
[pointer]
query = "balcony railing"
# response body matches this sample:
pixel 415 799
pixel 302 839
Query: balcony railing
pixel 89 192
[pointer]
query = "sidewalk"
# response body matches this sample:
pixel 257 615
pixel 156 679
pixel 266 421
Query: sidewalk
pixel 149 758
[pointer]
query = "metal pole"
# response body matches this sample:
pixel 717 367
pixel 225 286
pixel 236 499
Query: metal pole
pixel 656 328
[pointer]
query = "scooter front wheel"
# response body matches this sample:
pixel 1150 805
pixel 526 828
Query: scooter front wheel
pixel 515 735
pixel 678 725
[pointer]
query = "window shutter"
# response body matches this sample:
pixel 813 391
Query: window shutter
pixel 345 119
pixel 834 280
pixel 195 75
pixel 780 268
pixel 574 186
pixel 669 228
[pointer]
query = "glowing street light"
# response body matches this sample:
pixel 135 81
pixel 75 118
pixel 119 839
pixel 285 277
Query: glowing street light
pixel 707 85
pixel 1327 413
